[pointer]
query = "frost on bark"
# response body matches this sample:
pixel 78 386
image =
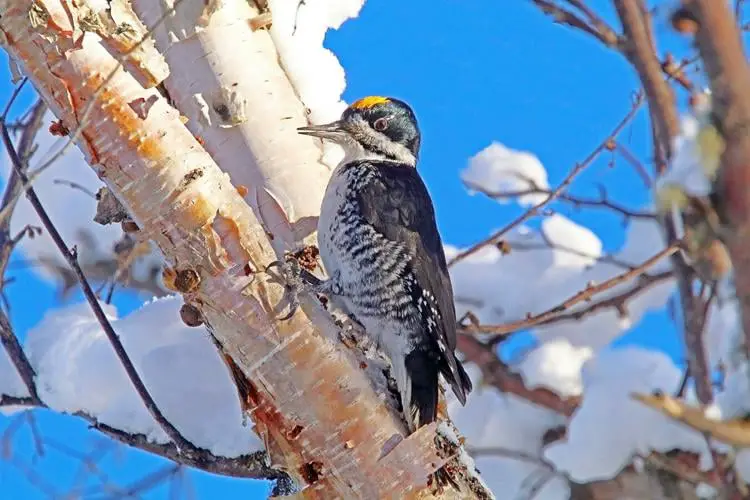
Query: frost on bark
pixel 319 414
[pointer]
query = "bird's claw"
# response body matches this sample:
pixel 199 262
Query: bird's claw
pixel 288 276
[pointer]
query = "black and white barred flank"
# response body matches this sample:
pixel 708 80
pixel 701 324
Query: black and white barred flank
pixel 380 245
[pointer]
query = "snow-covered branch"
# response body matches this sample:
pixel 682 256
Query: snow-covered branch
pixel 537 207
pixel 561 311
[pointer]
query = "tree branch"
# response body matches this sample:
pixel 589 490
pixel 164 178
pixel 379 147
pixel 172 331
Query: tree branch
pixel 720 46
pixel 639 50
pixel 576 201
pixel 253 465
pixel 583 296
pixel 593 25
pixel 7 337
pixel 498 374
pixel 636 23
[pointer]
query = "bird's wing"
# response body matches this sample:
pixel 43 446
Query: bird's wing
pixel 396 203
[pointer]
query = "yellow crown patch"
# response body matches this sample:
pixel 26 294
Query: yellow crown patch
pixel 369 101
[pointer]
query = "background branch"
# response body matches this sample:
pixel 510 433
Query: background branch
pixel 718 40
pixel 577 201
pixel 536 209
pixel 585 295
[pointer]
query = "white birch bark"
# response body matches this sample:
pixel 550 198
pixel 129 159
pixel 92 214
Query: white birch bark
pixel 226 79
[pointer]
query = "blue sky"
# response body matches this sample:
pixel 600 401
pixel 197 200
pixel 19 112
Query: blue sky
pixel 474 71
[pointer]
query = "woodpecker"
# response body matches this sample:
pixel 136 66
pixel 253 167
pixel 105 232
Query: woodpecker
pixel 380 246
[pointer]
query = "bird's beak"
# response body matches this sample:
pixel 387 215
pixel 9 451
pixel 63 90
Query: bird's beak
pixel 331 131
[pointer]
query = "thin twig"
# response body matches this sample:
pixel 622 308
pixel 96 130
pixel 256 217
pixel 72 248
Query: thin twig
pixel 608 33
pixel 569 18
pixel 582 296
pixel 593 25
pixel 554 194
pixel 252 465
pixel 697 362
pixel 521 456
pixel 616 302
pixel 8 338
pixel 74 185
pixel 578 201
pixel 18 357
pixel 13 188
pixel 629 157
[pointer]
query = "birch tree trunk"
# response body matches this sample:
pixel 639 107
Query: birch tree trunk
pixel 320 415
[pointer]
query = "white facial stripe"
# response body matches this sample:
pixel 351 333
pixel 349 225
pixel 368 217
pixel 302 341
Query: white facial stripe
pixel 382 146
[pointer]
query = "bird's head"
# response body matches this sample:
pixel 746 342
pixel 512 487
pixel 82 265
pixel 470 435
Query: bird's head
pixel 373 127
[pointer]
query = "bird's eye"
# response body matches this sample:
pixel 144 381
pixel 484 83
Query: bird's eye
pixel 380 124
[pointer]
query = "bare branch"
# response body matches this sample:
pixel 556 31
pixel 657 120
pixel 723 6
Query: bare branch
pixel 18 358
pixel 720 46
pixel 500 451
pixel 634 162
pixel 591 24
pixel 608 34
pixel 639 50
pixel 577 201
pixel 582 296
pixel 594 26
pixel 253 465
pixel 7 244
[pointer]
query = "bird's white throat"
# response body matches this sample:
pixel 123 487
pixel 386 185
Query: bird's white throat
pixel 354 151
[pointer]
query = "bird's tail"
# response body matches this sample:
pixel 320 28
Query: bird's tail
pixel 459 380
pixel 419 392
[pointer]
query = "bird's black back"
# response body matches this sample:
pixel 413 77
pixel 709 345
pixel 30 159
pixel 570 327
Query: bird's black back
pixel 395 202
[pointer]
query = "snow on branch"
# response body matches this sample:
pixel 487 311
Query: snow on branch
pixel 76 372
pixel 68 365
pixel 584 295
pixel 538 206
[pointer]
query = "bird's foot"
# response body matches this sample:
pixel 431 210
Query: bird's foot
pixel 288 273
pixel 441 478
pixel 295 279
pixel 352 333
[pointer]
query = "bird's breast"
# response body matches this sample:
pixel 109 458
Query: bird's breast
pixel 337 202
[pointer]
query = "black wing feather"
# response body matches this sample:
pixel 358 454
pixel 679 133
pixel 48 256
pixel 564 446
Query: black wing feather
pixel 395 202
